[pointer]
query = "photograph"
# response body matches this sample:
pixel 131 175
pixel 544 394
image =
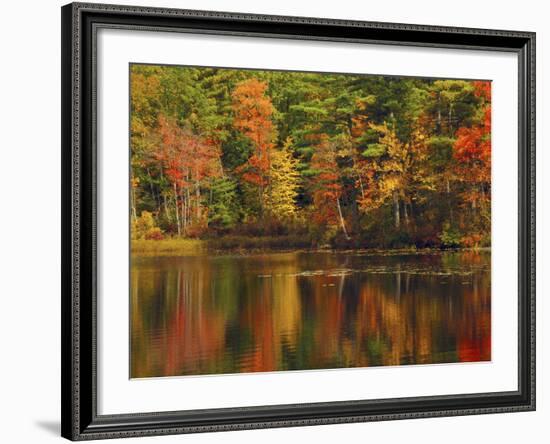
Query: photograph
pixel 293 221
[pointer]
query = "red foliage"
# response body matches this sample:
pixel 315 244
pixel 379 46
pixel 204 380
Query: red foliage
pixel 483 89
pixel 186 157
pixel 472 150
pixel 327 187
pixel 154 235
pixel 187 160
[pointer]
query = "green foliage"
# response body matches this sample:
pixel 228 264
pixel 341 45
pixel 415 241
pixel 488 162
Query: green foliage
pixel 450 236
pixel 441 150
pixel 374 150
pixel 223 205
pixel 439 144
pixel 236 150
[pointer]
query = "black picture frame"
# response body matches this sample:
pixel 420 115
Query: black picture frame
pixel 80 420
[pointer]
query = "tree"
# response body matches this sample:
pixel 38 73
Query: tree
pixel 144 227
pixel 327 188
pixel 395 171
pixel 190 162
pixel 386 161
pixel 284 183
pixel 472 152
pixel 452 104
pixel 252 117
pixel 223 208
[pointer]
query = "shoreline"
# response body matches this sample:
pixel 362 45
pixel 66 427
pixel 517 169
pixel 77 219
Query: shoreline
pixel 201 247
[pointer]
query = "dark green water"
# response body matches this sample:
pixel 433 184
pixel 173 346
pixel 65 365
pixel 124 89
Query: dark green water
pixel 307 310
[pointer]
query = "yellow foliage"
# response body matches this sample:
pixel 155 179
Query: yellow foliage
pixel 402 169
pixel 284 181
pixel 144 227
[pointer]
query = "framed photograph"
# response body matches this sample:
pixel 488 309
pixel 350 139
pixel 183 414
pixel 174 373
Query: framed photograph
pixel 281 221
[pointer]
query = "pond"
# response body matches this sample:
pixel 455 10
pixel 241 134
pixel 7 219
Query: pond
pixel 215 314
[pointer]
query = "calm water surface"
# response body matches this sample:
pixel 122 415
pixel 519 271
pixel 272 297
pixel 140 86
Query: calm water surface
pixel 307 310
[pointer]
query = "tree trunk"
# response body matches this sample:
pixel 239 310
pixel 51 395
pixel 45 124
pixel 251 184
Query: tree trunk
pixel 184 218
pixel 361 186
pixel 176 205
pixel 405 214
pixel 342 222
pixel 188 212
pixel 221 167
pixel 133 202
pixel 262 192
pixel 153 193
pixel 166 211
pixel 396 209
pixel 184 213
pixel 449 203
pixel 198 197
pixel 439 112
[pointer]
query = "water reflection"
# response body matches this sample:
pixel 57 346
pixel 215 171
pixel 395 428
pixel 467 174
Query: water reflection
pixel 307 310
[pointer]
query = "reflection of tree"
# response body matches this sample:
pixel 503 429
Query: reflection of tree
pixel 225 315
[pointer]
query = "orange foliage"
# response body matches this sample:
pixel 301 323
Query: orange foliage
pixel 253 111
pixel 326 184
pixel 483 89
pixel 472 152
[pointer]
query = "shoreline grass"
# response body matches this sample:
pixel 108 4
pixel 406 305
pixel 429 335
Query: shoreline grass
pixel 232 244
pixel 174 247
pixel 251 245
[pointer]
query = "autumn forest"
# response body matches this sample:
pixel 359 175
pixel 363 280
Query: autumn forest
pixel 280 159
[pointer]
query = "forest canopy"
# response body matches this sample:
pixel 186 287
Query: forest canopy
pixel 349 161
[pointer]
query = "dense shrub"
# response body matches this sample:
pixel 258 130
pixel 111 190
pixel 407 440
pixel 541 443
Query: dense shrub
pixel 145 228
pixel 450 237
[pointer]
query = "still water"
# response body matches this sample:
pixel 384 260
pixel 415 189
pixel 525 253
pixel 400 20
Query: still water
pixel 307 310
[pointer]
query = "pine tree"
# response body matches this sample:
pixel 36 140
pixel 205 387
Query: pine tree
pixel 223 203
